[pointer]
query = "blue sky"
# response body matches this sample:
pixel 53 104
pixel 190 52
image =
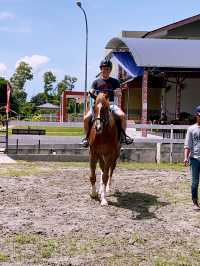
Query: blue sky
pixel 50 35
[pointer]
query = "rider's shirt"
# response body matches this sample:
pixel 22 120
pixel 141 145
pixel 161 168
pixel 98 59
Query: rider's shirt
pixel 106 85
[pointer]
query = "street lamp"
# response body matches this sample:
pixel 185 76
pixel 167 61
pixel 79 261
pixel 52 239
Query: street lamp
pixel 86 53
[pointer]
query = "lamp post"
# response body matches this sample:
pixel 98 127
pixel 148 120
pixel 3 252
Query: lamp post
pixel 86 52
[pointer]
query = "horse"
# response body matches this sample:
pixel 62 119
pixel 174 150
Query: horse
pixel 104 146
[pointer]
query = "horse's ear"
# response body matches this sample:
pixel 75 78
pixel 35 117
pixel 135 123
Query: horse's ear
pixel 92 95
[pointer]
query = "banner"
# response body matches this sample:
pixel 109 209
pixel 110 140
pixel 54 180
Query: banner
pixel 8 97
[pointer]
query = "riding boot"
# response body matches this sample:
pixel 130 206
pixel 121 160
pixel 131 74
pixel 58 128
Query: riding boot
pixel 128 140
pixel 125 139
pixel 85 142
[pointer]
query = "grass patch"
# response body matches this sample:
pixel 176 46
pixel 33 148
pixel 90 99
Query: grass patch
pixel 151 166
pixel 131 165
pixel 179 261
pixel 23 239
pixel 113 249
pixel 4 257
pixel 21 169
pixel 48 248
pixel 31 168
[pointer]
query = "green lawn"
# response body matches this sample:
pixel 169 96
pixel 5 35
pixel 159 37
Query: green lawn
pixel 56 131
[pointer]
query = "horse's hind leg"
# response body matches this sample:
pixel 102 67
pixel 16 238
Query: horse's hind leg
pixel 93 164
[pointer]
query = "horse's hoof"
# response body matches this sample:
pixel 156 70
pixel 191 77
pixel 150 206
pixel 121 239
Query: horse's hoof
pixel 94 195
pixel 104 202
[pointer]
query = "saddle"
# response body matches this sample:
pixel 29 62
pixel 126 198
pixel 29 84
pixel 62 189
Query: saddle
pixel 122 136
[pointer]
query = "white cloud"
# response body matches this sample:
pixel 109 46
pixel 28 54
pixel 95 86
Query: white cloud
pixel 35 61
pixel 3 69
pixel 6 15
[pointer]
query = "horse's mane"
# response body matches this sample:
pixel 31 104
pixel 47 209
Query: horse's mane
pixel 104 99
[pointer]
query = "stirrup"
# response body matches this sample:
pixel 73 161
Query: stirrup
pixel 85 142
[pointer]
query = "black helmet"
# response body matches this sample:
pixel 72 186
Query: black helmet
pixel 106 63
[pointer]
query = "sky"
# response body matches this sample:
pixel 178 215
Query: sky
pixel 50 35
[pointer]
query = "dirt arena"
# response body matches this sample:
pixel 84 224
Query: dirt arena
pixel 48 218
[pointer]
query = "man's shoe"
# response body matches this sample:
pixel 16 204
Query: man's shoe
pixel 85 143
pixel 128 140
pixel 196 206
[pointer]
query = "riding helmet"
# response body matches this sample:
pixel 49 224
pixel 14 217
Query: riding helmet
pixel 105 63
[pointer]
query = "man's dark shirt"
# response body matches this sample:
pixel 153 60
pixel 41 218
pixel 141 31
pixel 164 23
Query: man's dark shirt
pixel 106 85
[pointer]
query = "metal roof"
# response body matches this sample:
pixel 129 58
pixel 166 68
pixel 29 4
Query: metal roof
pixel 163 53
pixel 172 26
pixel 48 106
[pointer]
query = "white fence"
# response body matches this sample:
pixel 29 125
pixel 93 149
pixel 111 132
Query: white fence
pixel 175 130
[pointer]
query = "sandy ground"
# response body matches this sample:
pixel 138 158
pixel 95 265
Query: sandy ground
pixel 48 218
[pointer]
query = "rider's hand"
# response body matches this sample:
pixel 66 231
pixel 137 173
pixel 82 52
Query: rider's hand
pixel 92 91
pixel 118 92
pixel 186 162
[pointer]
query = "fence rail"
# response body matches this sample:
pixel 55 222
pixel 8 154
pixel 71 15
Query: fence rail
pixel 169 135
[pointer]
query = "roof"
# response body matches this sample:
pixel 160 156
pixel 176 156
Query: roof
pixel 132 34
pixel 48 106
pixel 163 53
pixel 173 25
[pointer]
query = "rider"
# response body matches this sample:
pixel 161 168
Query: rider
pixel 111 85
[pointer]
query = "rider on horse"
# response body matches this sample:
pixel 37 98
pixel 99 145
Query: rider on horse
pixel 111 86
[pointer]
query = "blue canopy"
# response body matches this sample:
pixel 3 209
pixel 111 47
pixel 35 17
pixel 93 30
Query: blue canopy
pixel 127 62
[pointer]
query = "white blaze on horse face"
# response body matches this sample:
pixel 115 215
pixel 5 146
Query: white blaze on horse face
pixel 98 125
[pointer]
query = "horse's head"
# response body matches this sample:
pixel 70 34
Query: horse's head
pixel 101 112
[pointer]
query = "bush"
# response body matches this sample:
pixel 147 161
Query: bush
pixel 37 118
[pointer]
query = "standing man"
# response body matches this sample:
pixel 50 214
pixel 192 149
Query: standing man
pixel 109 85
pixel 192 156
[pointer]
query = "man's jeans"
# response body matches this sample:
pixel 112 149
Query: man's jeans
pixel 195 171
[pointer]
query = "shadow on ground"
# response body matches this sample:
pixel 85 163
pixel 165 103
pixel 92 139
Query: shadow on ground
pixel 139 203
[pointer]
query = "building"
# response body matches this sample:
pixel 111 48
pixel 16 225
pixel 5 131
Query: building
pixel 159 70
pixel 49 112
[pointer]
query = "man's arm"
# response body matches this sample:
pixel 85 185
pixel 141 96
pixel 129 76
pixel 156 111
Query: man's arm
pixel 187 147
pixel 92 91
pixel 186 156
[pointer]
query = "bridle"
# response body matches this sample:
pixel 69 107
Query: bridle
pixel 102 118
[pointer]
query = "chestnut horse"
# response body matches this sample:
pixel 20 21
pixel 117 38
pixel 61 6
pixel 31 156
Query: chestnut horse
pixel 104 146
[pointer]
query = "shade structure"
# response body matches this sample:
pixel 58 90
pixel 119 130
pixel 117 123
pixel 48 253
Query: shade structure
pixel 160 53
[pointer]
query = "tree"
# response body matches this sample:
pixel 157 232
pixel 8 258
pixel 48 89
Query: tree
pixel 49 78
pixel 69 82
pixel 66 84
pixel 39 99
pixel 28 109
pixel 22 74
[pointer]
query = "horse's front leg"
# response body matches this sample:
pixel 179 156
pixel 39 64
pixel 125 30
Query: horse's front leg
pixel 110 179
pixel 103 187
pixel 93 164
